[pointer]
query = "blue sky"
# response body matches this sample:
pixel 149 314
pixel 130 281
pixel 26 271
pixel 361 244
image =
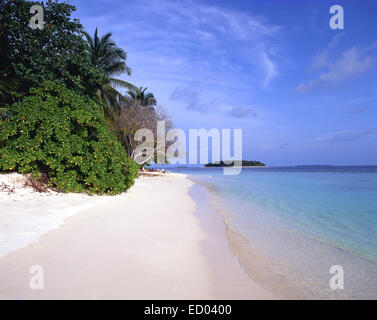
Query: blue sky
pixel 302 92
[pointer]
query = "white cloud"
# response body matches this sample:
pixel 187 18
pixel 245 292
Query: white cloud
pixel 347 65
pixel 194 97
pixel 270 68
pixel 198 36
pixel 347 135
pixel 241 112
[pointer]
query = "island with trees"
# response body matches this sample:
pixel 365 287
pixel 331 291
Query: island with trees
pixel 245 163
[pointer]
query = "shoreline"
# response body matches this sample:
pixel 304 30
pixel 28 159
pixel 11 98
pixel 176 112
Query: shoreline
pixel 223 260
pixel 276 267
pixel 239 245
pixel 130 248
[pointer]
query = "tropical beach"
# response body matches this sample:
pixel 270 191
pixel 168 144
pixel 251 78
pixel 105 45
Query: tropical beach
pixel 188 151
pixel 289 225
pixel 121 247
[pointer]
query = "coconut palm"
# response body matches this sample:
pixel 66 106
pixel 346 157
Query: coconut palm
pixel 145 99
pixel 106 55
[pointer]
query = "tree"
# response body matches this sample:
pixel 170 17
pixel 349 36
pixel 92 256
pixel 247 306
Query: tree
pixel 105 55
pixel 135 117
pixel 62 134
pixel 7 86
pixel 11 89
pixel 57 52
pixel 145 99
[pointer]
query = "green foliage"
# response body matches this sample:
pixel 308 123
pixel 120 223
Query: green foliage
pixel 105 55
pixel 57 52
pixel 145 99
pixel 245 163
pixel 56 131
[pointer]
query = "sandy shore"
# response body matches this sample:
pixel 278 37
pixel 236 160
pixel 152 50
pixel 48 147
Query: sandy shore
pixel 152 242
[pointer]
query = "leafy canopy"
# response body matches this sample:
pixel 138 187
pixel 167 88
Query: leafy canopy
pixel 56 131
pixel 57 52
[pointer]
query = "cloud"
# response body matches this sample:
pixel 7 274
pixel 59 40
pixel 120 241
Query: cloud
pixel 357 110
pixel 322 57
pixel 358 105
pixel 349 64
pixel 193 98
pixel 361 100
pixel 241 112
pixel 234 23
pixel 282 145
pixel 348 135
pixel 269 67
pixel 196 98
pixel 193 35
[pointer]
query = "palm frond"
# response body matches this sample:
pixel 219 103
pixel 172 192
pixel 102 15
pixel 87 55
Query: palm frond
pixel 3 114
pixel 8 85
pixel 122 84
pixel 144 99
pixel 105 54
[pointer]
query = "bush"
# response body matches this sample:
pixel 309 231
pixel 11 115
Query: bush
pixel 57 132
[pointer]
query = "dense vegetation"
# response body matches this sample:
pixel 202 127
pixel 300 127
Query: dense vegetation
pixel 57 52
pixel 60 109
pixel 245 163
pixel 55 131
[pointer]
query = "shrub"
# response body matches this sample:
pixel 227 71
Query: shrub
pixel 57 132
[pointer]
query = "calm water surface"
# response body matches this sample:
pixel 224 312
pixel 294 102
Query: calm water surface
pixel 299 222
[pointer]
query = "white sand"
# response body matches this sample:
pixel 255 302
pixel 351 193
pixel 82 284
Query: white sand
pixel 144 244
pixel 25 214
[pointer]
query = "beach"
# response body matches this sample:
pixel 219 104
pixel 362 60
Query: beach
pixel 289 226
pixel 155 241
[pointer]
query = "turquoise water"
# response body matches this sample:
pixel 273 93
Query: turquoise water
pixel 299 222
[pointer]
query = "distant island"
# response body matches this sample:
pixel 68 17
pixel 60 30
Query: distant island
pixel 245 163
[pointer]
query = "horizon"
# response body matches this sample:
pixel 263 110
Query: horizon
pixel 236 162
pixel 270 166
pixel 300 91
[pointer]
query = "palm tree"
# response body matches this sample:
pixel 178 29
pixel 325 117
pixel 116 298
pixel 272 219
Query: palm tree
pixel 145 99
pixel 3 114
pixel 7 86
pixel 106 55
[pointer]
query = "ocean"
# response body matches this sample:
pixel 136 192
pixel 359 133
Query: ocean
pixel 290 225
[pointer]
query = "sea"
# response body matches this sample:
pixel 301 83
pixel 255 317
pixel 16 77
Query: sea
pixel 302 232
